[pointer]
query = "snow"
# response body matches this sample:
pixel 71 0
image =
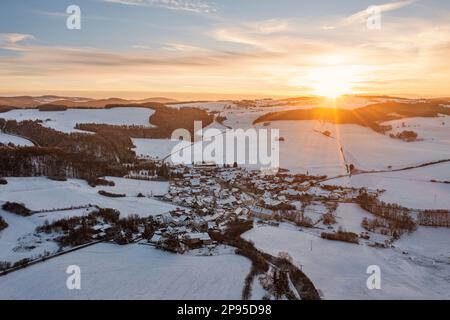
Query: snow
pixel 19 240
pixel 65 121
pixel 8 138
pixel 154 148
pixel 369 150
pixel 409 188
pixel 130 272
pixel 306 148
pixel 132 187
pixel 210 106
pixel 163 148
pixel 431 242
pixel 42 194
pixel 432 130
pixel 339 269
pixel 349 216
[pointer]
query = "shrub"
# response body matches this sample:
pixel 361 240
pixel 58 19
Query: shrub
pixel 305 222
pixel 93 182
pixel 58 178
pixel 408 136
pixel 3 181
pixel 341 236
pixel 111 195
pixel 3 224
pixel 17 208
pixel 79 230
pixel 328 219
pixel 5 265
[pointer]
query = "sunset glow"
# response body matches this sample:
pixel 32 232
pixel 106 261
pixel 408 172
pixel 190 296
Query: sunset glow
pixel 332 83
pixel 209 51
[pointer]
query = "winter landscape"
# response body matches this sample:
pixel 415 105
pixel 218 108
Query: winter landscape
pixel 330 188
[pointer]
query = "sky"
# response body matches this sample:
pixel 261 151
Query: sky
pixel 199 49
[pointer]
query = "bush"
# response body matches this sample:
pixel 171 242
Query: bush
pixel 17 208
pixel 58 178
pixel 408 136
pixel 341 236
pixel 3 181
pixel 3 224
pixel 305 222
pixel 93 182
pixel 51 107
pixel 79 230
pixel 111 195
pixel 328 219
pixel 5 265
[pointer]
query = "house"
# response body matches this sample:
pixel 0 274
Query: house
pixel 157 239
pixel 262 213
pixel 197 239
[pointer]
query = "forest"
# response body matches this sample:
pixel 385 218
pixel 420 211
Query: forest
pixel 370 116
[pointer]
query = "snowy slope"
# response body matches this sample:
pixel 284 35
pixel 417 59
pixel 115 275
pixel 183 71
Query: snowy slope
pixel 210 106
pixel 431 130
pixel 65 121
pixel 130 272
pixel 7 138
pixel 339 269
pixel 19 240
pixel 369 150
pixel 41 193
pixel 409 188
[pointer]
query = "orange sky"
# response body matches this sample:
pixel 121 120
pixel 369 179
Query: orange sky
pixel 242 58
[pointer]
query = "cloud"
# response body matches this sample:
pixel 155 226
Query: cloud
pixel 278 57
pixel 13 38
pixel 198 6
pixel 362 16
pixel 12 41
pixel 255 33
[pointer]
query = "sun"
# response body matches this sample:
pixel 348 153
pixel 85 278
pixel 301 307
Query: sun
pixel 332 89
pixel 331 82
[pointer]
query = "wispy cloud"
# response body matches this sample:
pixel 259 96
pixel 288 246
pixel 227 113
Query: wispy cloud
pixel 361 16
pixel 199 6
pixel 255 33
pixel 279 56
pixel 11 41
pixel 12 38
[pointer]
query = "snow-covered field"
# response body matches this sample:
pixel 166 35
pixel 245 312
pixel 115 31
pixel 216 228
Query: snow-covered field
pixel 65 121
pixel 18 141
pixel 338 269
pixel 19 240
pixel 410 188
pixel 369 150
pixel 306 149
pixel 431 130
pixel 130 272
pixel 154 148
pixel 43 194
pixel 210 106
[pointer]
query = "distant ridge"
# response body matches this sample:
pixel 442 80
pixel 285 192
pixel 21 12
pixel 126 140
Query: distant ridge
pixel 31 102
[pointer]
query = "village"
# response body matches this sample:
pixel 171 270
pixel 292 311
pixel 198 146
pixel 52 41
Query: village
pixel 209 197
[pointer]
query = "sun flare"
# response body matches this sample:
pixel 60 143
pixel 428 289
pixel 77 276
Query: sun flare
pixel 331 82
